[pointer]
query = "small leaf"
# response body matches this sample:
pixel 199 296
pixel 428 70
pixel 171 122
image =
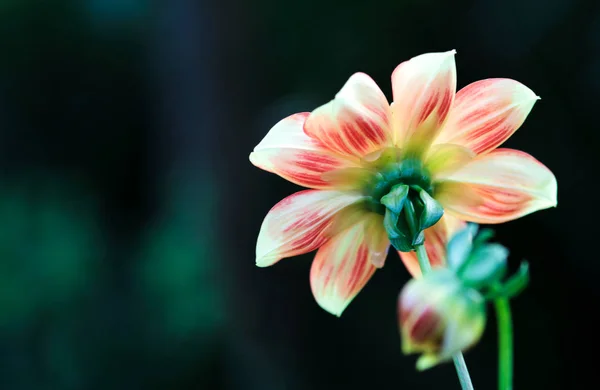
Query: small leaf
pixel 485 266
pixel 432 211
pixel 483 237
pixel 396 198
pixel 397 237
pixel 515 284
pixel 402 243
pixel 460 245
pixel 419 239
pixel 389 223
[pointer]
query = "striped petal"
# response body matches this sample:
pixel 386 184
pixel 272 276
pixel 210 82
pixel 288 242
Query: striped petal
pixel 436 238
pixel 344 264
pixel 356 122
pixel 288 152
pixel 303 222
pixel 423 89
pixel 497 187
pixel 486 113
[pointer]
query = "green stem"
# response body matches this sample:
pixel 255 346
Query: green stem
pixel 423 259
pixel 505 351
pixel 462 371
pixel 459 361
pixel 421 252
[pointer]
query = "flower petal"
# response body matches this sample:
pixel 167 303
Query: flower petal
pixel 486 113
pixel 302 222
pixel 344 265
pixel 288 152
pixel 497 187
pixel 444 159
pixel 376 239
pixel 356 122
pixel 423 89
pixel 436 238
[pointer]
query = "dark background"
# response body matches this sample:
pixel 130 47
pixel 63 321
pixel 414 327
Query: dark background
pixel 129 210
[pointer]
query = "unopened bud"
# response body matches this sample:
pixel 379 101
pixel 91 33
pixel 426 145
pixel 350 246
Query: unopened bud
pixel 439 317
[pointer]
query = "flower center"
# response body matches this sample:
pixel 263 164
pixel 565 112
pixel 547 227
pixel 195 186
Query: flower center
pixel 401 191
pixel 393 168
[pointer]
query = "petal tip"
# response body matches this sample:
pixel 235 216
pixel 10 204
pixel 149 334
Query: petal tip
pixel 266 260
pixel 332 305
pixel 425 362
pixel 529 96
pixel 262 163
pixel 262 263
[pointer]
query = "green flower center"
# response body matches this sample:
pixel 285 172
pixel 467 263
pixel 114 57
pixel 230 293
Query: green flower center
pixel 401 190
pixel 392 167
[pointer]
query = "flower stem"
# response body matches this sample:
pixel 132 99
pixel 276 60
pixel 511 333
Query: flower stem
pixel 423 259
pixel 459 361
pixel 505 351
pixel 462 371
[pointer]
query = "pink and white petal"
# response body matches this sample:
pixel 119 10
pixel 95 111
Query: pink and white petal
pixel 423 89
pixel 344 265
pixel 303 222
pixel 288 152
pixel 497 187
pixel 486 113
pixel 436 238
pixel 376 239
pixel 356 122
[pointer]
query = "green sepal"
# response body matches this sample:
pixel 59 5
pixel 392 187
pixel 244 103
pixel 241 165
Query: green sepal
pixel 397 235
pixel 396 198
pixel 460 245
pixel 402 244
pixel 428 210
pixel 419 239
pixel 513 286
pixel 484 236
pixel 486 265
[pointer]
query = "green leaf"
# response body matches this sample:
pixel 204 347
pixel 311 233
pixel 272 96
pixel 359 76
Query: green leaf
pixel 419 239
pixel 515 284
pixel 398 238
pixel 485 266
pixel 460 245
pixel 402 243
pixel 432 211
pixel 389 223
pixel 396 198
pixel 484 236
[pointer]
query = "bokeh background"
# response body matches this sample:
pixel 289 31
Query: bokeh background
pixel 129 210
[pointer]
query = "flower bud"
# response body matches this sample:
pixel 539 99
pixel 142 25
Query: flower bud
pixel 439 317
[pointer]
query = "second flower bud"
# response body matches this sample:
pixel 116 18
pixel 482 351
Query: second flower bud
pixel 439 317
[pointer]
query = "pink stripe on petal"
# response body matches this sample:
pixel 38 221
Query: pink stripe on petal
pixel 356 122
pixel 497 187
pixel 288 152
pixel 436 238
pixel 344 265
pixel 301 223
pixel 423 89
pixel 486 113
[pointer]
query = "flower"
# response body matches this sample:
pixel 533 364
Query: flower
pixel 439 317
pixel 431 146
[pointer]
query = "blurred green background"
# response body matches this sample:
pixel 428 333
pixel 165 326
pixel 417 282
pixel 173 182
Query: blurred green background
pixel 129 210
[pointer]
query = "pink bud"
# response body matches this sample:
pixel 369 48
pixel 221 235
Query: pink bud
pixel 439 317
